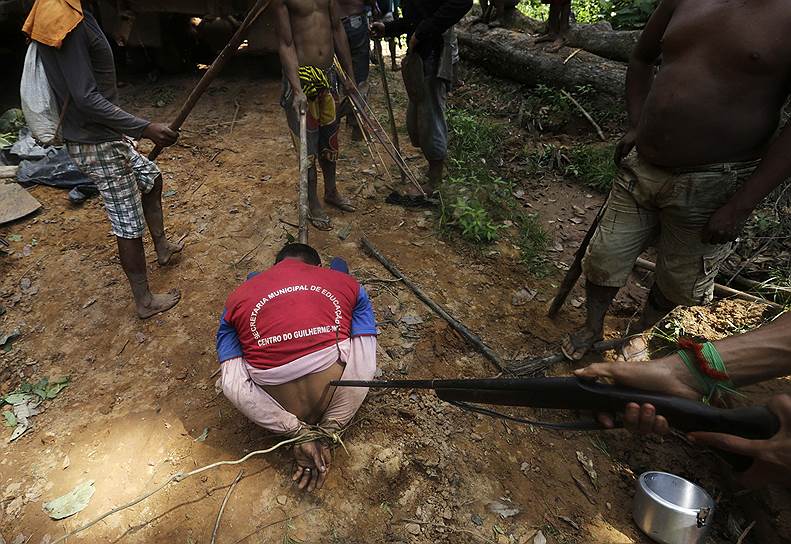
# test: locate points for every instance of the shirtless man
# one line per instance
(310, 34)
(284, 335)
(704, 127)
(354, 16)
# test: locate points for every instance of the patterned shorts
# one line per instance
(121, 174)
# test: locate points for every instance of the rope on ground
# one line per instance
(222, 506)
(311, 434)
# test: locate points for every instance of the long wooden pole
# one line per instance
(388, 99)
(575, 271)
(303, 179)
(219, 63)
(456, 325)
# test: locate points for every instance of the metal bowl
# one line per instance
(672, 510)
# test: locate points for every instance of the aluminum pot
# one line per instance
(672, 510)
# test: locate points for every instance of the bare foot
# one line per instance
(319, 219)
(556, 46)
(577, 344)
(668, 375)
(634, 350)
(340, 202)
(157, 303)
(545, 38)
(167, 250)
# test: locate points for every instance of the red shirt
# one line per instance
(291, 310)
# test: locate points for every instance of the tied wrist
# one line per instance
(707, 366)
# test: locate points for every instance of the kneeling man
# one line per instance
(284, 335)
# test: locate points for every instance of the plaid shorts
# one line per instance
(121, 174)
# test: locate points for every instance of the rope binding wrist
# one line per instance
(705, 363)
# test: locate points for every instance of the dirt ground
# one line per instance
(142, 393)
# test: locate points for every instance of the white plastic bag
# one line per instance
(38, 101)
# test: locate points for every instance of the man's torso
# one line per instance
(291, 310)
(102, 65)
(723, 81)
(311, 28)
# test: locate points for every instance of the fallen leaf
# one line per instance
(502, 509)
(587, 465)
(88, 303)
(72, 502)
(523, 296)
(10, 419)
(203, 435)
(66, 462)
(169, 193)
(345, 232)
(14, 238)
(570, 522)
(539, 538)
(411, 320)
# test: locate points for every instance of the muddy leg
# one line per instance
(331, 194)
(152, 209)
(318, 217)
(133, 261)
(599, 298)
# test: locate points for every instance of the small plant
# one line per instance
(473, 221)
(593, 165)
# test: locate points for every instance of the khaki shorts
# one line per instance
(670, 207)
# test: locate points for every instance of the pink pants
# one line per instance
(241, 384)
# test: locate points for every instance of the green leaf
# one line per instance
(14, 238)
(203, 435)
(10, 419)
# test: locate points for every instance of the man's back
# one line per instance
(723, 81)
(291, 310)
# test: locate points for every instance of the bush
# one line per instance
(622, 14)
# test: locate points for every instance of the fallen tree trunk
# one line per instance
(603, 41)
(513, 55)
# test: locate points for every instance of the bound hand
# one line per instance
(300, 102)
(160, 134)
(725, 225)
(772, 457)
(312, 464)
(377, 30)
(625, 146)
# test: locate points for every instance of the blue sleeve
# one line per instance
(228, 345)
(363, 319)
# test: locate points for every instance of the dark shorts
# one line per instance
(356, 28)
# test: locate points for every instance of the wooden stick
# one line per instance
(222, 507)
(575, 271)
(720, 290)
(456, 325)
(388, 100)
(536, 365)
(303, 179)
(586, 114)
(573, 54)
(219, 63)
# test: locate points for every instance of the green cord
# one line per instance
(709, 385)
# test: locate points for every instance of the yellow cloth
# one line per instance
(50, 21)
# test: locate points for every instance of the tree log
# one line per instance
(602, 40)
(513, 55)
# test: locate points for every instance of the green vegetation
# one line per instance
(591, 164)
(476, 201)
(622, 14)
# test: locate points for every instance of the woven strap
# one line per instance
(705, 363)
